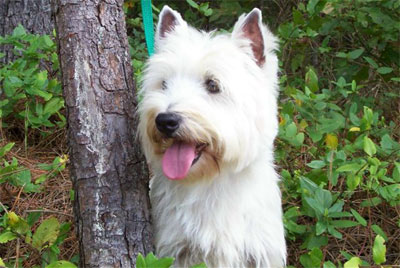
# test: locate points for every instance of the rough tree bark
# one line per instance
(34, 15)
(108, 171)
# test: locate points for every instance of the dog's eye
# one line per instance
(212, 86)
(164, 85)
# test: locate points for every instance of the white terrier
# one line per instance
(208, 119)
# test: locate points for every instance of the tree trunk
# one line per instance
(34, 15)
(108, 171)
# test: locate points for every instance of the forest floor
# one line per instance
(53, 200)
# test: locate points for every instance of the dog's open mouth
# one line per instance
(179, 157)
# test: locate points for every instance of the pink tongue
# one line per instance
(178, 159)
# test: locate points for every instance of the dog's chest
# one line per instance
(206, 221)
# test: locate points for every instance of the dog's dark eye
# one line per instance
(164, 85)
(212, 86)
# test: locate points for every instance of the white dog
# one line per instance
(208, 119)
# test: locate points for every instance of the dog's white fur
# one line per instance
(227, 212)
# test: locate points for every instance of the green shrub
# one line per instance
(29, 88)
(30, 95)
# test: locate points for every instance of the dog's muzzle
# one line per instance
(168, 123)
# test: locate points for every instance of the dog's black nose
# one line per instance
(168, 123)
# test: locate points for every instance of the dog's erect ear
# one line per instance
(167, 21)
(250, 27)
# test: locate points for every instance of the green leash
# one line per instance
(147, 14)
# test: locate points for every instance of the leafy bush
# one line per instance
(29, 88)
(44, 241)
(30, 95)
(338, 143)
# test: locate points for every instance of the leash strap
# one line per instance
(147, 14)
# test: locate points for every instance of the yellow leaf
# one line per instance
(63, 158)
(354, 129)
(282, 120)
(13, 218)
(298, 102)
(354, 262)
(303, 124)
(331, 141)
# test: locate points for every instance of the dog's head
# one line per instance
(208, 100)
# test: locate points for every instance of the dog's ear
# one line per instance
(251, 27)
(168, 20)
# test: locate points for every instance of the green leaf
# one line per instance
(53, 106)
(140, 261)
(352, 181)
(388, 144)
(33, 217)
(46, 233)
(19, 31)
(337, 207)
(163, 263)
(308, 186)
(200, 265)
(312, 80)
(315, 135)
(328, 264)
(298, 17)
(396, 172)
(369, 146)
(372, 62)
(47, 40)
(323, 197)
(355, 53)
(20, 227)
(299, 139)
(379, 250)
(311, 6)
(371, 202)
(344, 223)
(353, 167)
(208, 12)
(358, 217)
(61, 264)
(334, 232)
(354, 262)
(41, 93)
(316, 242)
(7, 236)
(384, 70)
(318, 208)
(346, 255)
(379, 231)
(23, 178)
(320, 228)
(5, 149)
(193, 4)
(316, 164)
(312, 258)
(2, 263)
(150, 259)
(341, 55)
(291, 130)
